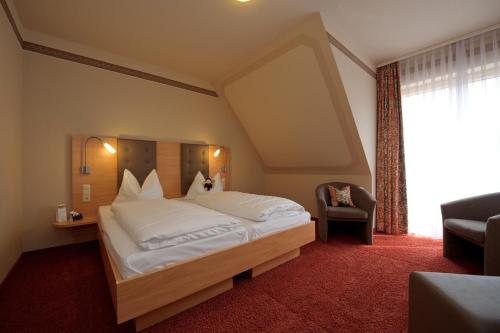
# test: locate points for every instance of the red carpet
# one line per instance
(340, 286)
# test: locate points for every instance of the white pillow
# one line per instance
(130, 190)
(151, 188)
(218, 184)
(197, 187)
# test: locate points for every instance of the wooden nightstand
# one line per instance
(85, 221)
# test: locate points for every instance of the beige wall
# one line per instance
(62, 98)
(361, 93)
(10, 146)
(300, 122)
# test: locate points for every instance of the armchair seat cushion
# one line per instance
(346, 213)
(471, 229)
(441, 302)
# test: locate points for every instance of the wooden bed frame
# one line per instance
(154, 296)
(157, 295)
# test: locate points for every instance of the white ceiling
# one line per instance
(207, 38)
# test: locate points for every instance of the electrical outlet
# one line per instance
(86, 192)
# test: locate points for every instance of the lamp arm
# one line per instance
(84, 151)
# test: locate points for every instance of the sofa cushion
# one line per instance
(473, 230)
(346, 213)
(441, 302)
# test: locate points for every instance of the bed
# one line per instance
(150, 285)
(132, 260)
(159, 293)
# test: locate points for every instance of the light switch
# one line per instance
(86, 192)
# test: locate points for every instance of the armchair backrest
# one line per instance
(322, 192)
(478, 208)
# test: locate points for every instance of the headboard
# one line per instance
(138, 156)
(194, 158)
(176, 165)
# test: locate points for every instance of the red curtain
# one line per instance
(392, 209)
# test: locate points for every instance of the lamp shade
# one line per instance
(109, 147)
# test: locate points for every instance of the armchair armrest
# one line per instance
(478, 208)
(362, 198)
(321, 197)
(493, 228)
(322, 202)
(492, 246)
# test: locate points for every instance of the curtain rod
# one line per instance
(435, 46)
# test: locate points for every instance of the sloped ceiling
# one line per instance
(293, 106)
(206, 38)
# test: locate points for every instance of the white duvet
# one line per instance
(158, 223)
(259, 208)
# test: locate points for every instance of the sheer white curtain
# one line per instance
(451, 121)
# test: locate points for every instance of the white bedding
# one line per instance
(259, 229)
(131, 259)
(259, 208)
(158, 223)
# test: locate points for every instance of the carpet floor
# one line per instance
(339, 286)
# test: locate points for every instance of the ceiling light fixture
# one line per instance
(243, 0)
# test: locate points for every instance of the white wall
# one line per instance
(10, 146)
(361, 90)
(63, 98)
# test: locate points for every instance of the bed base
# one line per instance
(167, 311)
(267, 266)
(157, 295)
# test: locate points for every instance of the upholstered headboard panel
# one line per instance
(176, 164)
(138, 156)
(194, 158)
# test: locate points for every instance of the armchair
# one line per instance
(362, 213)
(473, 220)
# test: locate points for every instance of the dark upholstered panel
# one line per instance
(194, 158)
(138, 156)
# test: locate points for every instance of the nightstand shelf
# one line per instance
(79, 223)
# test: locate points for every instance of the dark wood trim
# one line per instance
(351, 55)
(33, 47)
(56, 53)
(12, 21)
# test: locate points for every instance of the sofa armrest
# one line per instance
(478, 208)
(492, 246)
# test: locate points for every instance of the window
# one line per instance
(451, 121)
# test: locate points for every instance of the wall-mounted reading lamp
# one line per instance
(85, 169)
(217, 153)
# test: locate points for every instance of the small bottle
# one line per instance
(62, 214)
